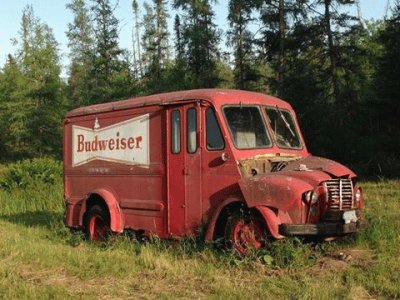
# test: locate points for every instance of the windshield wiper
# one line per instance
(285, 121)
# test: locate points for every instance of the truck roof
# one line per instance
(215, 96)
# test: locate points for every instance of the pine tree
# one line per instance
(33, 103)
(81, 44)
(137, 64)
(200, 38)
(107, 50)
(155, 44)
(241, 39)
(13, 119)
(388, 78)
(279, 18)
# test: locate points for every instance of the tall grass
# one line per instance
(39, 258)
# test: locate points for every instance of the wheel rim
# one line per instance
(247, 235)
(97, 228)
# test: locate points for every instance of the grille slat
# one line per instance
(339, 194)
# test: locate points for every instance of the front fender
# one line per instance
(117, 220)
(278, 191)
(271, 220)
(213, 221)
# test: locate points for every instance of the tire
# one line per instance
(245, 232)
(97, 224)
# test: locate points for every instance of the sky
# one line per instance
(55, 14)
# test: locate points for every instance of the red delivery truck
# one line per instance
(227, 164)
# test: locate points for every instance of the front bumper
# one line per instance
(323, 229)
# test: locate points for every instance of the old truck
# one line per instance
(227, 164)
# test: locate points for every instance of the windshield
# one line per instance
(284, 128)
(247, 127)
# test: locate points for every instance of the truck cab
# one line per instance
(230, 165)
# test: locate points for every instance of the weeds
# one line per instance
(28, 173)
(41, 258)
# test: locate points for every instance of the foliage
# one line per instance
(241, 39)
(313, 54)
(199, 38)
(387, 79)
(31, 100)
(81, 43)
(28, 173)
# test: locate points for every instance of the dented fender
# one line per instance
(278, 191)
(271, 220)
(214, 218)
(117, 220)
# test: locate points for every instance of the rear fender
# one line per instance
(117, 219)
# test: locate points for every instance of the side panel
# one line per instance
(132, 165)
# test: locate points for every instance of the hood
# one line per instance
(315, 163)
(283, 189)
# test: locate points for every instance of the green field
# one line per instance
(40, 259)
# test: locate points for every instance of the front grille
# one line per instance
(339, 194)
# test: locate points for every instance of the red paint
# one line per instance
(97, 228)
(190, 178)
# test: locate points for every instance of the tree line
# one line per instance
(340, 73)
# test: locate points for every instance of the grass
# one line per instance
(41, 259)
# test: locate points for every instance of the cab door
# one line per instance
(184, 178)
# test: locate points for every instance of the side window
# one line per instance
(214, 137)
(176, 131)
(191, 130)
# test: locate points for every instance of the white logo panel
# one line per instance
(125, 142)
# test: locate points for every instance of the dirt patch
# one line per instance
(342, 259)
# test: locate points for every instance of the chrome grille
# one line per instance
(339, 194)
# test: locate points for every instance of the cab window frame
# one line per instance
(264, 121)
(220, 138)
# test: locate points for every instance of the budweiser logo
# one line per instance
(125, 142)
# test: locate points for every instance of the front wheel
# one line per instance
(245, 231)
(97, 224)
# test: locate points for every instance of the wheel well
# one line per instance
(93, 200)
(223, 216)
(226, 211)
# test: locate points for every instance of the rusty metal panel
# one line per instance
(125, 148)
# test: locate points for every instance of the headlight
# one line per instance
(311, 197)
(314, 198)
(307, 197)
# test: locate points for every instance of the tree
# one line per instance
(200, 39)
(107, 50)
(387, 83)
(13, 121)
(137, 61)
(81, 44)
(279, 18)
(155, 44)
(241, 39)
(31, 92)
(389, 63)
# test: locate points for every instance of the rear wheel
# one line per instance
(245, 231)
(97, 224)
